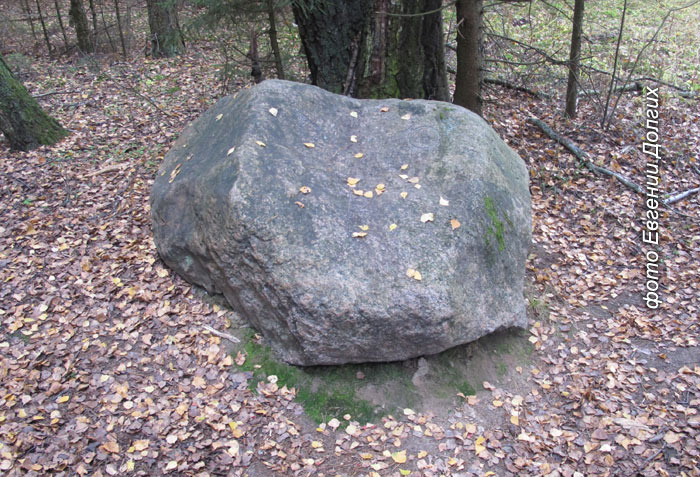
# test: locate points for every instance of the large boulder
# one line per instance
(348, 230)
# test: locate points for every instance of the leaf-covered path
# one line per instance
(106, 365)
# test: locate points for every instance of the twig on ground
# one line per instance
(104, 170)
(221, 334)
(582, 156)
(680, 196)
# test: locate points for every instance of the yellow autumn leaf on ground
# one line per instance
(417, 276)
(304, 189)
(316, 444)
(260, 143)
(444, 202)
(422, 454)
(310, 145)
(455, 224)
(111, 446)
(392, 227)
(404, 472)
(403, 195)
(413, 273)
(380, 187)
(428, 217)
(219, 116)
(353, 114)
(62, 399)
(517, 400)
(273, 111)
(171, 465)
(515, 420)
(359, 155)
(141, 444)
(352, 181)
(497, 403)
(353, 138)
(366, 456)
(479, 444)
(399, 457)
(364, 227)
(230, 151)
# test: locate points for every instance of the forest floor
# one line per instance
(107, 365)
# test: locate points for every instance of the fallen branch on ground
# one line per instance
(112, 168)
(508, 84)
(221, 334)
(582, 156)
(680, 196)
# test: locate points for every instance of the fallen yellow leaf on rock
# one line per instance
(359, 234)
(305, 189)
(316, 444)
(384, 109)
(353, 138)
(369, 194)
(380, 187)
(359, 155)
(455, 224)
(428, 217)
(403, 176)
(260, 143)
(273, 111)
(358, 191)
(404, 167)
(444, 202)
(219, 116)
(353, 114)
(310, 145)
(352, 181)
(392, 227)
(414, 180)
(403, 195)
(406, 116)
(399, 457)
(422, 454)
(413, 273)
(230, 151)
(364, 227)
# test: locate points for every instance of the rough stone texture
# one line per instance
(233, 222)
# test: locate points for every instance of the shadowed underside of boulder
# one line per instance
(348, 230)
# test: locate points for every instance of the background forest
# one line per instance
(111, 364)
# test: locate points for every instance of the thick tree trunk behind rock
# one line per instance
(166, 38)
(80, 23)
(469, 72)
(331, 34)
(22, 120)
(361, 48)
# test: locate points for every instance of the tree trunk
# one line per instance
(272, 33)
(574, 60)
(166, 38)
(331, 33)
(28, 12)
(80, 23)
(93, 14)
(60, 24)
(469, 57)
(434, 67)
(43, 28)
(364, 49)
(119, 27)
(22, 120)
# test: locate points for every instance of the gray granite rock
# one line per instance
(241, 206)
